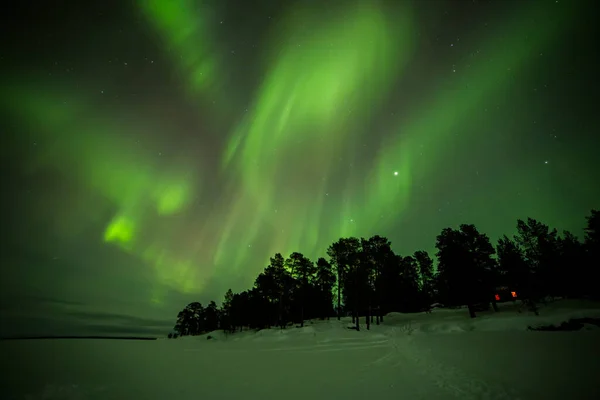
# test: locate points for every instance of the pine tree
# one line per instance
(324, 281)
(464, 261)
(425, 266)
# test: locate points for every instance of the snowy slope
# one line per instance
(441, 355)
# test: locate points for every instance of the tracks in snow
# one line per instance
(450, 378)
(396, 354)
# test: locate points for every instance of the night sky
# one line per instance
(158, 152)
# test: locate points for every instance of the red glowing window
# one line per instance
(513, 294)
(497, 296)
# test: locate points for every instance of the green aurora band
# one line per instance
(326, 76)
(184, 27)
(313, 98)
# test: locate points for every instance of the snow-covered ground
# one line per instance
(440, 355)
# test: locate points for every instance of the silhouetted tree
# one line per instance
(225, 313)
(540, 249)
(267, 287)
(343, 254)
(302, 270)
(324, 282)
(592, 230)
(409, 285)
(190, 320)
(464, 260)
(514, 271)
(227, 301)
(425, 265)
(365, 287)
(273, 291)
(248, 310)
(573, 270)
(376, 251)
(284, 285)
(390, 283)
(592, 249)
(211, 317)
(236, 311)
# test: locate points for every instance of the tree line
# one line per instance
(366, 278)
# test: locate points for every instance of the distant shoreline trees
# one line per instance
(364, 278)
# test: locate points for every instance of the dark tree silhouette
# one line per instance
(211, 317)
(540, 249)
(592, 248)
(573, 270)
(514, 271)
(324, 281)
(592, 230)
(278, 289)
(425, 265)
(365, 281)
(409, 285)
(464, 259)
(343, 254)
(302, 270)
(225, 314)
(275, 286)
(376, 251)
(227, 301)
(372, 280)
(237, 309)
(190, 320)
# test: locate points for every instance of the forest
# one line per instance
(365, 279)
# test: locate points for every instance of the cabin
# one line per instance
(505, 293)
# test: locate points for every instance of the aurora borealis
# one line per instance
(158, 152)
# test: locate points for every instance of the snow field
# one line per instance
(441, 355)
